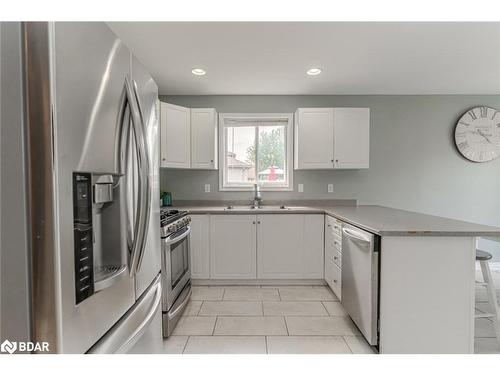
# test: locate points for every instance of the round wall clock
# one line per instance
(477, 134)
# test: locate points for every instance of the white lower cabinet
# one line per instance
(233, 247)
(270, 246)
(289, 246)
(200, 246)
(333, 254)
(336, 281)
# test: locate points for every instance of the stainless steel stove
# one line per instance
(175, 266)
(172, 221)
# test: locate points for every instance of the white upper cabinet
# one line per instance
(175, 136)
(327, 138)
(351, 139)
(314, 138)
(203, 138)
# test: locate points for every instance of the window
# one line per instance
(255, 149)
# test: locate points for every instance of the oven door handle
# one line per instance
(179, 238)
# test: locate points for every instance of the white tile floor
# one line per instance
(285, 319)
(265, 319)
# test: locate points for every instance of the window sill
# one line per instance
(251, 188)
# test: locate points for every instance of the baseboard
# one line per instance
(254, 282)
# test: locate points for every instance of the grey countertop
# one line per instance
(383, 221)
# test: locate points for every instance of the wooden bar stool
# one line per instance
(483, 257)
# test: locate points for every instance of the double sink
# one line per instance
(256, 208)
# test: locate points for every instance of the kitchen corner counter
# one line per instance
(386, 221)
(383, 221)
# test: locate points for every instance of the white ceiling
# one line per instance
(356, 58)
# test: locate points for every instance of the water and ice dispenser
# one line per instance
(100, 246)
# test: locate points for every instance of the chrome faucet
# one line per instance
(257, 198)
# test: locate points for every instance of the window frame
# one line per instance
(286, 118)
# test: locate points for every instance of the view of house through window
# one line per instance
(256, 152)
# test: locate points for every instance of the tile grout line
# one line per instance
(215, 324)
(286, 326)
(185, 345)
(199, 311)
(348, 346)
(328, 312)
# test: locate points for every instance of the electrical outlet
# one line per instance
(301, 188)
(207, 188)
(330, 188)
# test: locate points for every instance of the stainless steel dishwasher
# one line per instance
(360, 267)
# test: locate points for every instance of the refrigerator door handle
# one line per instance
(130, 198)
(142, 216)
(147, 206)
(124, 334)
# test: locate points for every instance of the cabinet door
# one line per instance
(290, 246)
(175, 136)
(203, 138)
(280, 240)
(314, 138)
(200, 246)
(232, 247)
(352, 138)
(314, 246)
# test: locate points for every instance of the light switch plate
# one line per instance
(301, 188)
(207, 188)
(330, 188)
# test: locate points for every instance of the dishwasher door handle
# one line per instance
(356, 236)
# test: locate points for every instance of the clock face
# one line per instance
(477, 134)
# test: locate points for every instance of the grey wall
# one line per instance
(414, 164)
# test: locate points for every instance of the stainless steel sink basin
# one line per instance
(261, 208)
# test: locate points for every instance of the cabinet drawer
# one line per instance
(337, 258)
(334, 224)
(336, 282)
(329, 251)
(337, 243)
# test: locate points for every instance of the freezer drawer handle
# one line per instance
(118, 339)
(355, 236)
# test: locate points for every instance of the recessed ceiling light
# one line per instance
(198, 72)
(313, 71)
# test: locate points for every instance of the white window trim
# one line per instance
(288, 117)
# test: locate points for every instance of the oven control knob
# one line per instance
(172, 228)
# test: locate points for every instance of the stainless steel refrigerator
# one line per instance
(80, 149)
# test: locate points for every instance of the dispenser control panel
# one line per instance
(83, 236)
